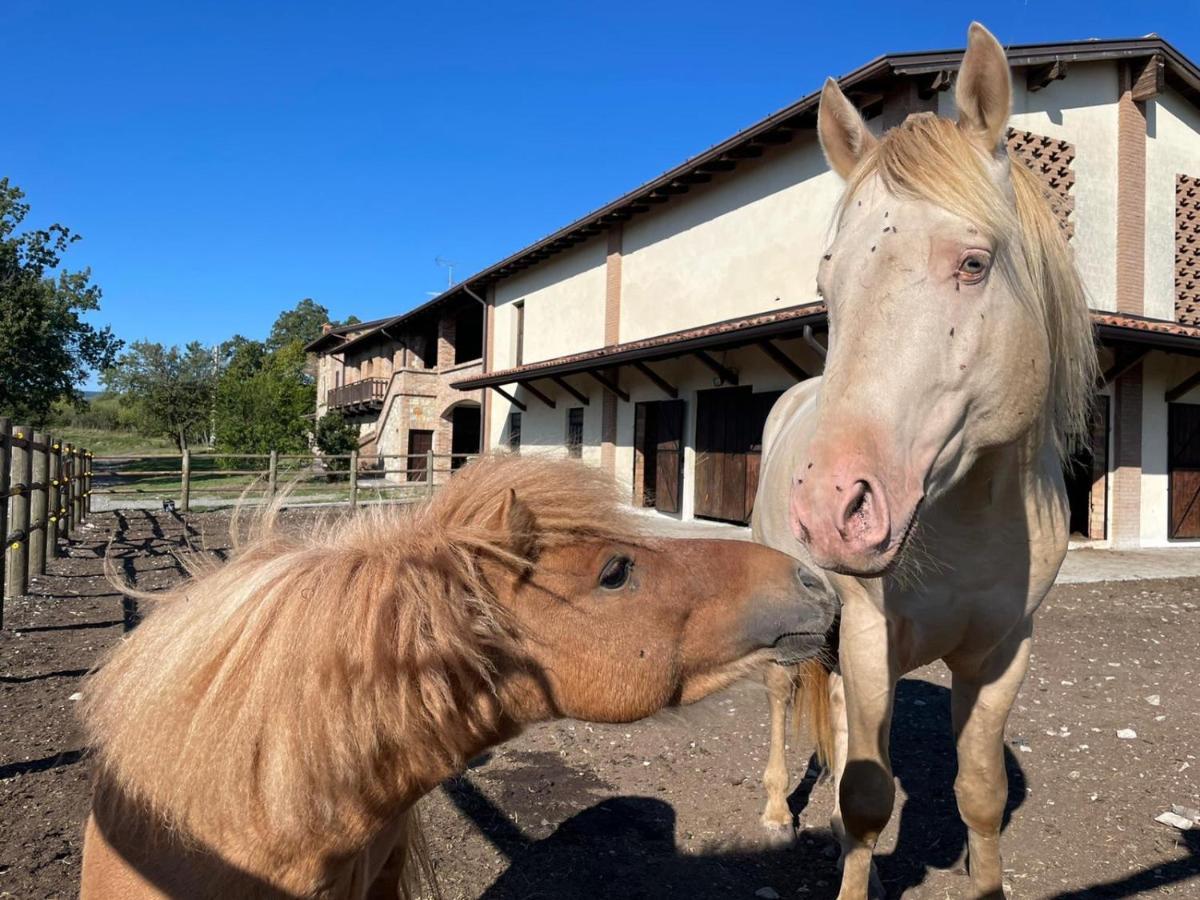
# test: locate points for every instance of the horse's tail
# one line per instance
(810, 702)
(417, 876)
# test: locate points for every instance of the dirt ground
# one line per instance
(669, 807)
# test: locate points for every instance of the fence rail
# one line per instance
(47, 487)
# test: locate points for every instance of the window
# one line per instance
(468, 335)
(575, 432)
(514, 432)
(520, 307)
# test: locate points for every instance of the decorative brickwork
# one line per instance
(1050, 159)
(1131, 200)
(1187, 249)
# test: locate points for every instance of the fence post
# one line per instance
(185, 491)
(273, 475)
(68, 483)
(77, 487)
(54, 498)
(87, 483)
(22, 474)
(39, 503)
(353, 479)
(429, 472)
(5, 457)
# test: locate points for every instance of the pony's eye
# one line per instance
(973, 267)
(615, 573)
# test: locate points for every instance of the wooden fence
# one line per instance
(47, 488)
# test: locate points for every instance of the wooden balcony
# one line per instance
(358, 396)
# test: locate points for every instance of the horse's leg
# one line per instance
(837, 713)
(866, 791)
(980, 701)
(777, 817)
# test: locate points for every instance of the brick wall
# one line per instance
(1127, 461)
(1131, 199)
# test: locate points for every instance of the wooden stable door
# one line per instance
(420, 442)
(1183, 467)
(729, 427)
(658, 449)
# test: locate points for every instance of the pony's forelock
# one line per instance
(929, 158)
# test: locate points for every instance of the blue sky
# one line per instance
(223, 160)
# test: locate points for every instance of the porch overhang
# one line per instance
(1112, 329)
(727, 335)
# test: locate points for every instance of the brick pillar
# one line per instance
(447, 326)
(1127, 459)
(1131, 198)
(612, 335)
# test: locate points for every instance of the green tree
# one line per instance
(46, 347)
(300, 325)
(263, 399)
(336, 437)
(170, 389)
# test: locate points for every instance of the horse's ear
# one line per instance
(844, 135)
(516, 523)
(983, 92)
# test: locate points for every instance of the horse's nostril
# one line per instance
(807, 579)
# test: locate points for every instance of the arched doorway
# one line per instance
(466, 431)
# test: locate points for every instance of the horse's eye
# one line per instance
(615, 573)
(973, 267)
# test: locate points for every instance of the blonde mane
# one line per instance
(930, 158)
(289, 691)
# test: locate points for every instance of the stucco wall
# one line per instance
(1172, 147)
(748, 242)
(564, 306)
(1080, 108)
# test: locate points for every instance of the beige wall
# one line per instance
(564, 306)
(748, 242)
(1172, 148)
(1080, 108)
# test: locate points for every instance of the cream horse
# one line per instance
(923, 471)
(269, 728)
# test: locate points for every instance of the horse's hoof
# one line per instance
(778, 834)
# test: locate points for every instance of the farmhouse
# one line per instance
(651, 336)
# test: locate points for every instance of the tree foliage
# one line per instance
(300, 325)
(264, 399)
(336, 437)
(46, 347)
(170, 389)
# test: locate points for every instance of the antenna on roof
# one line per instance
(449, 266)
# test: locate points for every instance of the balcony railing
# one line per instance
(358, 395)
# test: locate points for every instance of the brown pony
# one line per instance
(268, 729)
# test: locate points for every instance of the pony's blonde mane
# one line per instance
(930, 158)
(291, 691)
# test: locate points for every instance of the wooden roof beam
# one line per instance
(784, 361)
(934, 83)
(510, 398)
(610, 386)
(663, 385)
(725, 374)
(1182, 388)
(528, 385)
(570, 389)
(1122, 364)
(1038, 77)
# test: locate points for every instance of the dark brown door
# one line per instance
(1183, 466)
(419, 445)
(760, 408)
(722, 442)
(729, 427)
(668, 456)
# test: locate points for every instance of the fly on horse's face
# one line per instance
(616, 631)
(938, 350)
